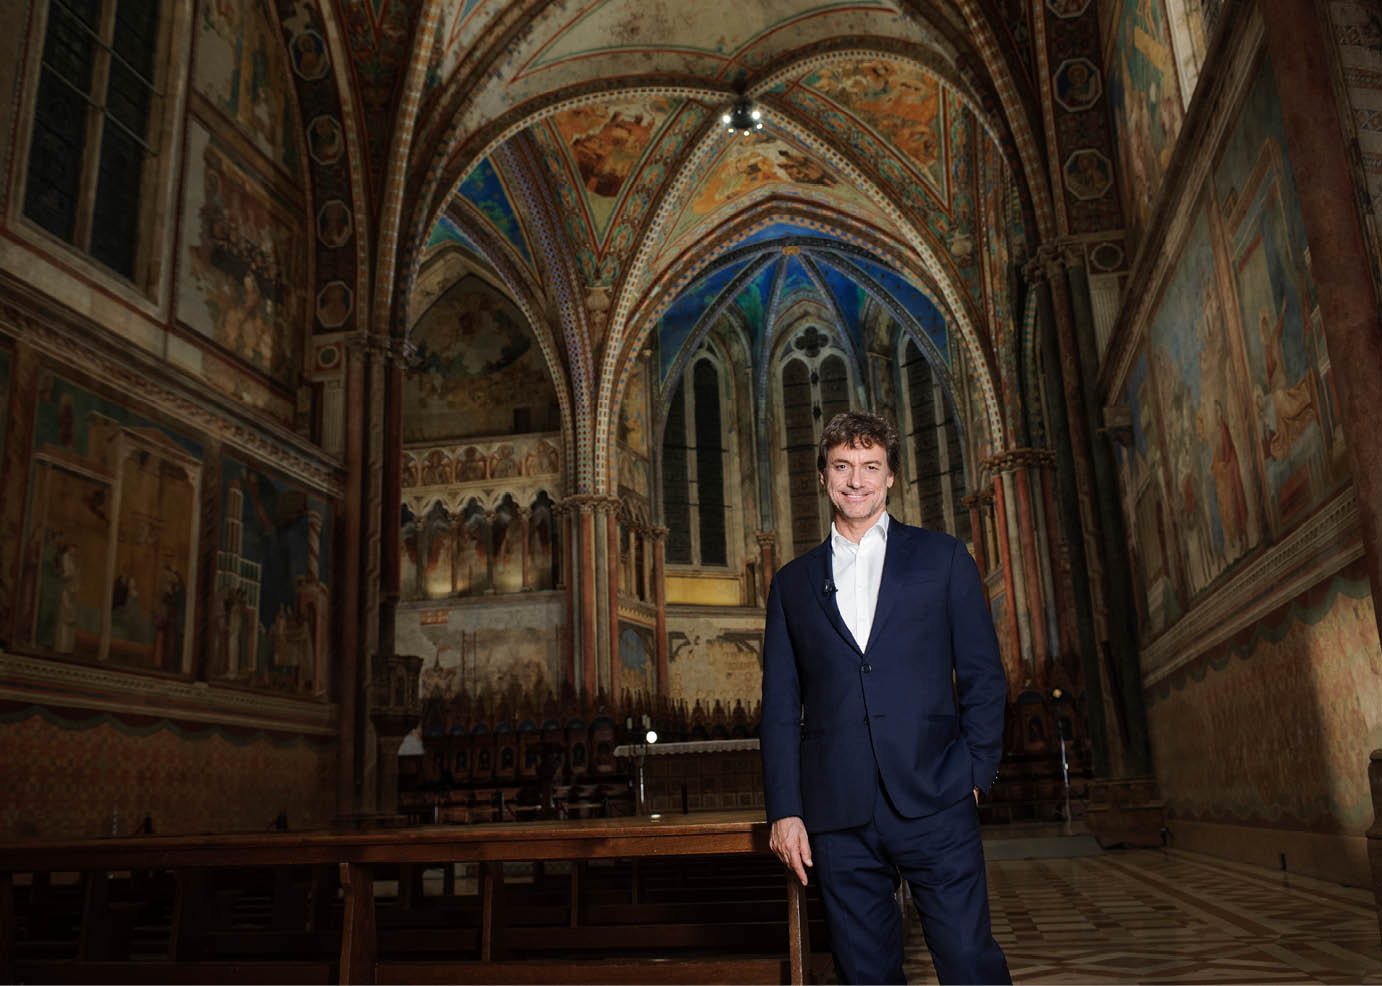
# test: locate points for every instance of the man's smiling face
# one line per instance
(857, 480)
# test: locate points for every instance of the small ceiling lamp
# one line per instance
(742, 118)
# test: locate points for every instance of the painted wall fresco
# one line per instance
(481, 371)
(898, 102)
(242, 266)
(271, 611)
(1146, 507)
(479, 519)
(1234, 436)
(633, 413)
(617, 31)
(486, 647)
(241, 68)
(108, 567)
(473, 551)
(1204, 425)
(188, 779)
(715, 659)
(748, 168)
(604, 143)
(1291, 708)
(637, 660)
(1144, 99)
(1293, 385)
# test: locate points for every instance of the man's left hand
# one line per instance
(976, 795)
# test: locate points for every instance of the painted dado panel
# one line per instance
(1291, 708)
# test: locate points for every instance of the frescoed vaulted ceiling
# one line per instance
(579, 142)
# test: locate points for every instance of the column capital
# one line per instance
(979, 498)
(587, 503)
(387, 348)
(1009, 460)
(1034, 270)
(1053, 257)
(766, 539)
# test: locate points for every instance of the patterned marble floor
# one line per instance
(1171, 917)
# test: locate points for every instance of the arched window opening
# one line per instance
(801, 421)
(693, 469)
(676, 482)
(710, 470)
(933, 438)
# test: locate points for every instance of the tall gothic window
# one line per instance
(693, 470)
(94, 127)
(933, 439)
(815, 387)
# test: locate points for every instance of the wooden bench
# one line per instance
(359, 855)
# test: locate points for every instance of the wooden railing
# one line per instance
(505, 946)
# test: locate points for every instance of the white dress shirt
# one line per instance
(858, 571)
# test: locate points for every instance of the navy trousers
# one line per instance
(941, 857)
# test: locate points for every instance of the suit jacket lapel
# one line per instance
(890, 583)
(821, 577)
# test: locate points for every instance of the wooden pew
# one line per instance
(506, 952)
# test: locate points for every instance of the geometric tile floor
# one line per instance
(1169, 916)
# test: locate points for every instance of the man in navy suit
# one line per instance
(883, 700)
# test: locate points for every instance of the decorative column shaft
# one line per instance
(1077, 540)
(659, 536)
(1070, 286)
(609, 510)
(586, 549)
(767, 560)
(974, 503)
(1032, 578)
(1000, 520)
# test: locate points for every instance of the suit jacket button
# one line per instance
(866, 668)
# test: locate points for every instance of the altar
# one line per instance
(697, 776)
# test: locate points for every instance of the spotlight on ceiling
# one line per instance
(742, 118)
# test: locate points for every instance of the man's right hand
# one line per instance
(789, 844)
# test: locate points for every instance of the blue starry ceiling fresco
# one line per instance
(484, 189)
(778, 267)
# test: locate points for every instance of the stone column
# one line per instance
(1339, 255)
(1065, 409)
(1000, 519)
(972, 502)
(524, 522)
(659, 538)
(1072, 292)
(396, 353)
(490, 516)
(395, 710)
(767, 560)
(609, 510)
(348, 759)
(1022, 464)
(565, 518)
(586, 598)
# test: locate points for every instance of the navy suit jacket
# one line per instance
(923, 701)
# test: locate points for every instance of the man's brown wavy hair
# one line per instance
(860, 429)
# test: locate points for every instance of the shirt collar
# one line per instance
(838, 540)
